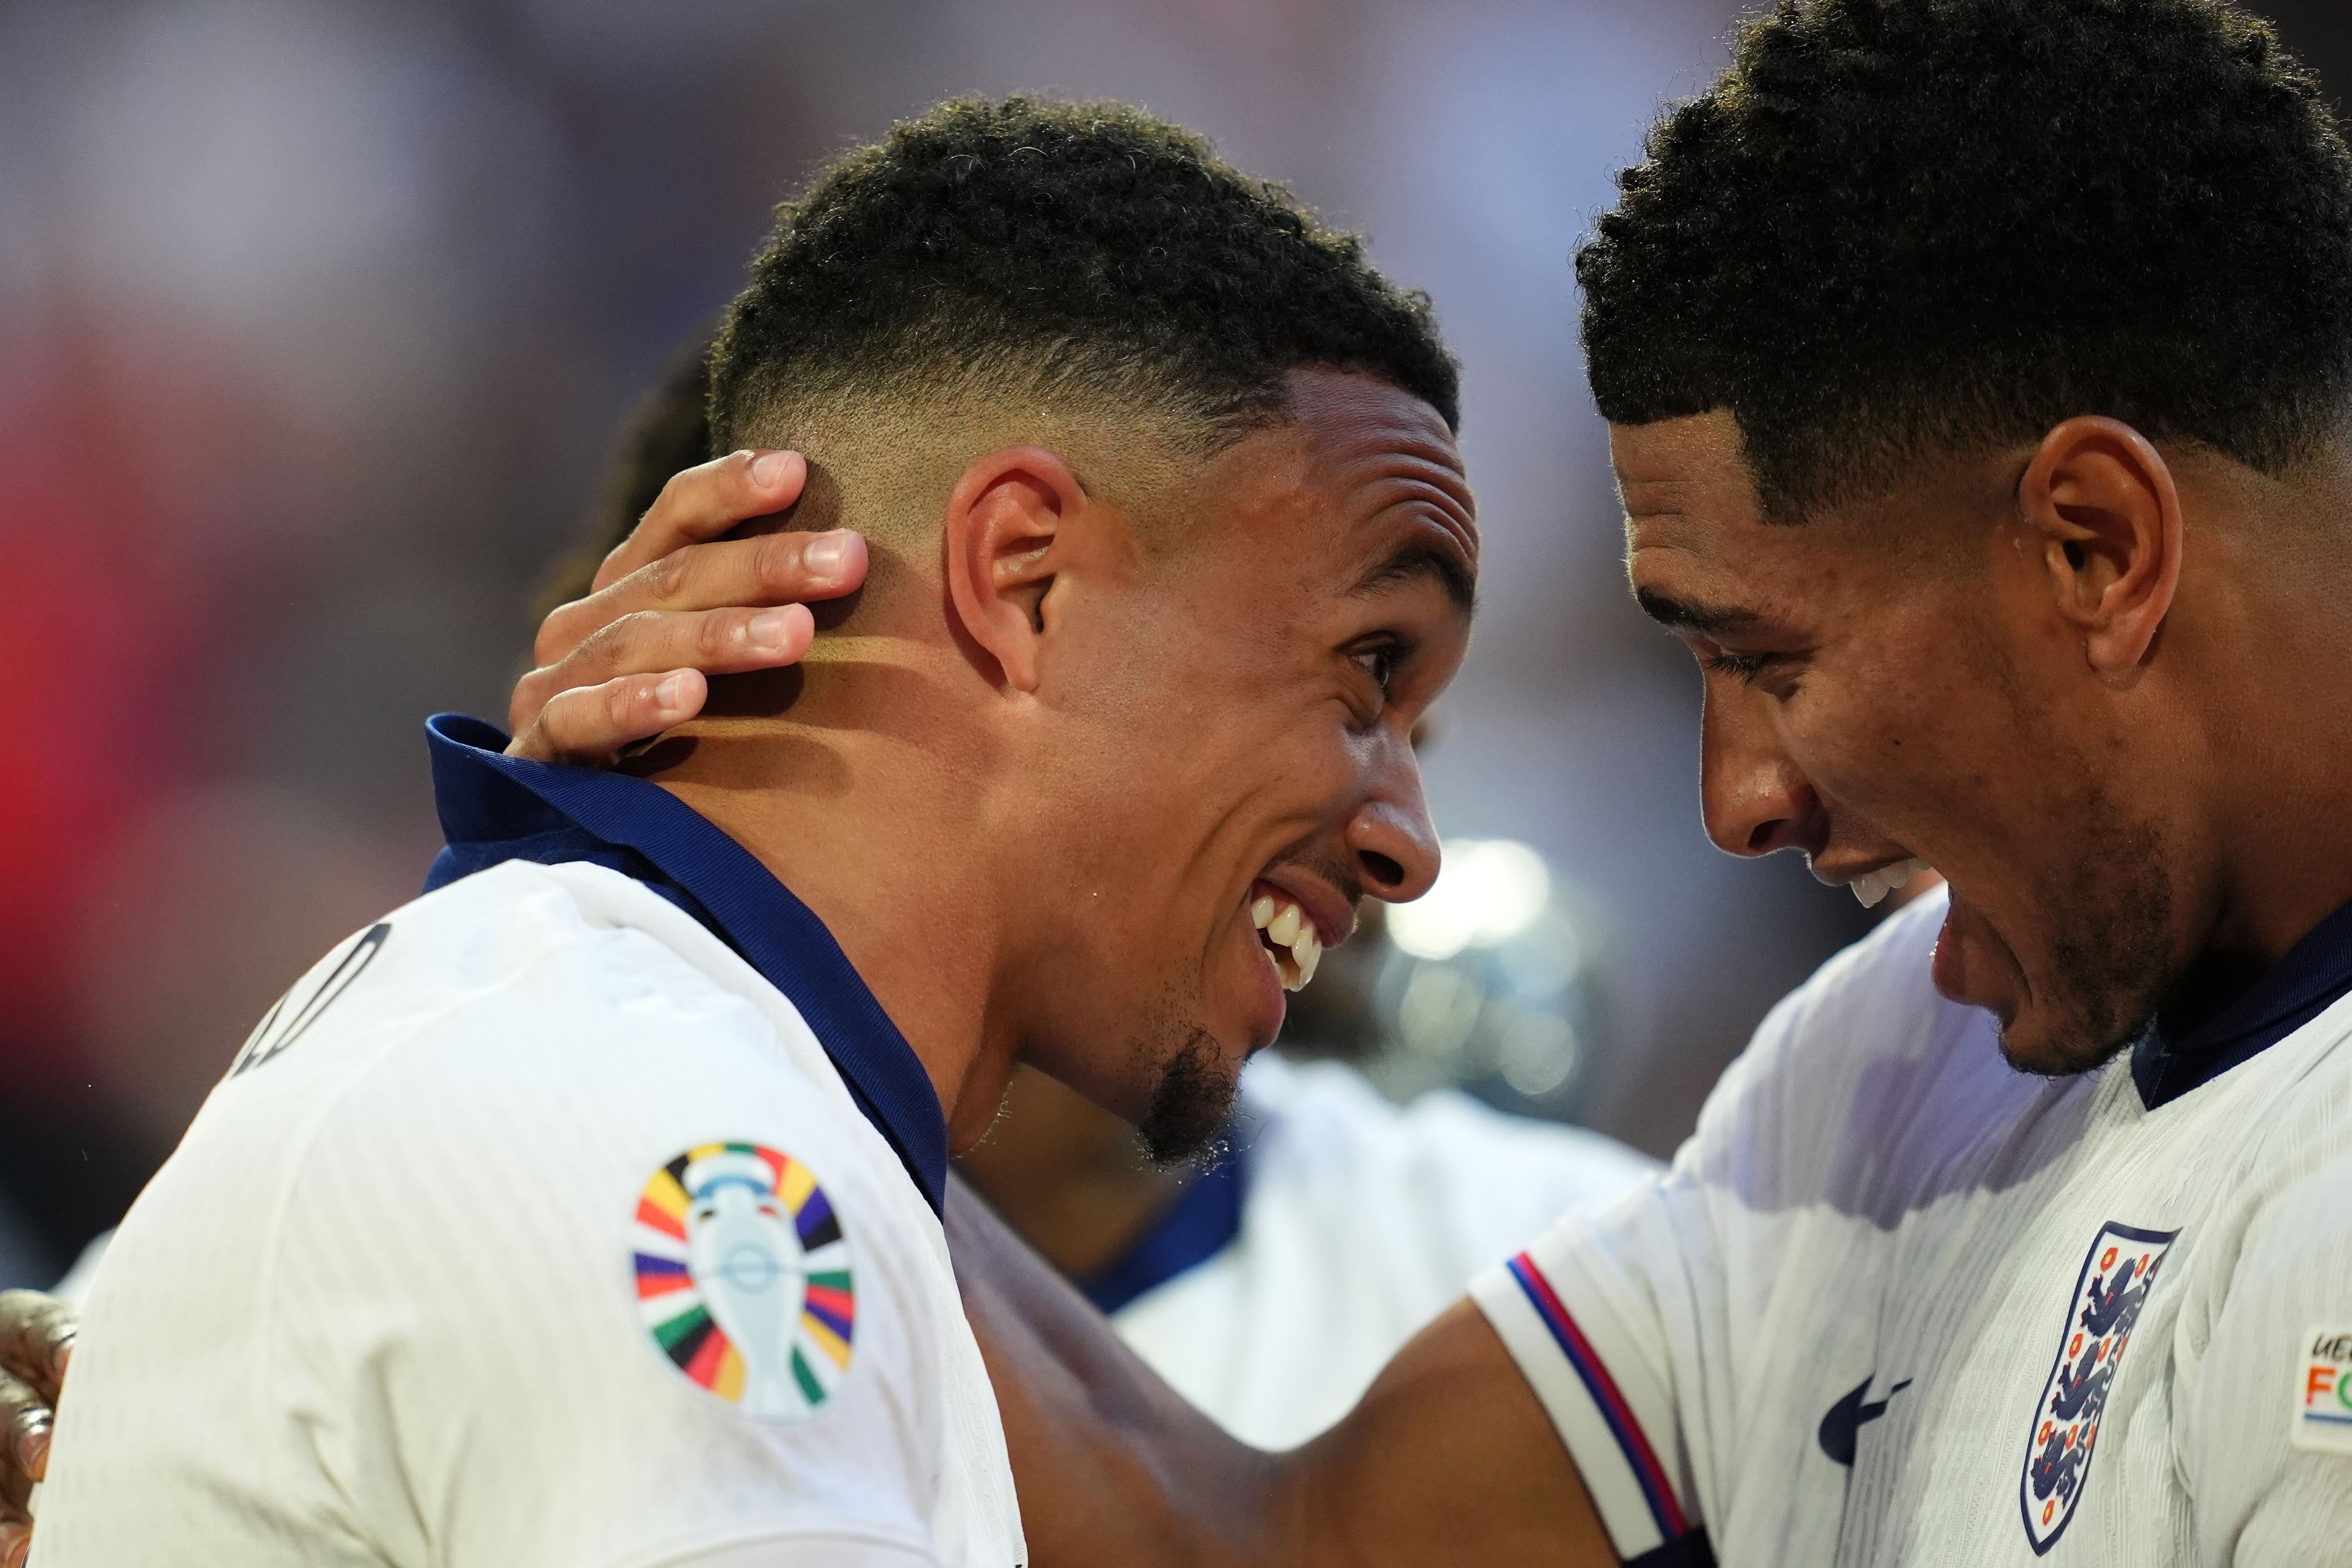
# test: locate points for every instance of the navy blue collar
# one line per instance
(496, 808)
(2171, 1061)
(1203, 1221)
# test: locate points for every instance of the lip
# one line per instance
(1325, 907)
(1971, 965)
(1271, 1008)
(1847, 876)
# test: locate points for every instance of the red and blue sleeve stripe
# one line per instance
(1657, 1490)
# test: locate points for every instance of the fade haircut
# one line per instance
(1901, 229)
(1084, 256)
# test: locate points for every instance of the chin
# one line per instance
(1192, 1101)
(2085, 1039)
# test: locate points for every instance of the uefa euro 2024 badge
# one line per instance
(2323, 1391)
(744, 1279)
(2117, 1276)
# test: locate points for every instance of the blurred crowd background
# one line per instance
(316, 323)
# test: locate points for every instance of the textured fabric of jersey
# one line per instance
(1897, 1303)
(1362, 1223)
(402, 1294)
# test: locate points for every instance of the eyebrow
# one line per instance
(1422, 558)
(1706, 620)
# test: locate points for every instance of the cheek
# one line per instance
(1901, 745)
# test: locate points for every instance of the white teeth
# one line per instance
(1873, 885)
(1292, 937)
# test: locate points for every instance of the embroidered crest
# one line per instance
(2323, 1391)
(743, 1277)
(2108, 1295)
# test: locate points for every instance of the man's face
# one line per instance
(1892, 682)
(1231, 741)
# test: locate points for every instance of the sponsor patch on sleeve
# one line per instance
(2323, 1392)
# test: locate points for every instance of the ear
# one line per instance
(1005, 528)
(2099, 499)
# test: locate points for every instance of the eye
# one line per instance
(1741, 666)
(1380, 660)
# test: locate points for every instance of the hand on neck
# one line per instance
(861, 781)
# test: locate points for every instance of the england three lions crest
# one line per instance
(2117, 1276)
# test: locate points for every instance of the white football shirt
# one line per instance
(534, 1228)
(1897, 1303)
(1361, 1221)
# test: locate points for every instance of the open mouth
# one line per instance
(1286, 932)
(1871, 887)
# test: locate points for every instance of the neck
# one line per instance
(1068, 1176)
(2278, 738)
(876, 824)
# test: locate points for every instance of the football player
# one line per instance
(589, 1209)
(1978, 376)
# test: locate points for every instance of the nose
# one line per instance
(1390, 836)
(1754, 796)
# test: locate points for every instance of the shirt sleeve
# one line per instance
(1600, 1313)
(1639, 1325)
(2264, 1415)
(610, 1286)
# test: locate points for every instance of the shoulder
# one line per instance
(562, 1015)
(504, 981)
(526, 1054)
(1876, 997)
(2288, 1215)
(1865, 1087)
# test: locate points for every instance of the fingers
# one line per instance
(655, 642)
(36, 1334)
(35, 1342)
(588, 725)
(772, 569)
(705, 502)
(24, 1440)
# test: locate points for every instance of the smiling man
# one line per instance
(1980, 376)
(588, 1209)
(1979, 381)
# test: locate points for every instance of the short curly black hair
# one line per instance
(1900, 228)
(1074, 250)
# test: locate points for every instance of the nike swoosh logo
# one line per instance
(1841, 1427)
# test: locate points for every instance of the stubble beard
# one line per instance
(2110, 956)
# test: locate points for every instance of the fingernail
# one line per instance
(768, 469)
(671, 692)
(767, 629)
(828, 553)
(32, 1442)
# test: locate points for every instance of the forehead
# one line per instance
(1360, 470)
(1696, 532)
(1685, 483)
